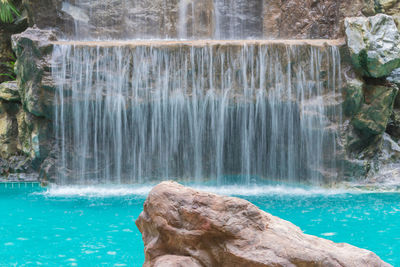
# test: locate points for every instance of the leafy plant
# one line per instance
(7, 11)
(9, 67)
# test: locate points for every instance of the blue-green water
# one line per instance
(75, 226)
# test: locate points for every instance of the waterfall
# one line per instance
(228, 112)
(239, 19)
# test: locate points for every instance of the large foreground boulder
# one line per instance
(185, 227)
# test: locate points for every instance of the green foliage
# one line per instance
(7, 11)
(9, 66)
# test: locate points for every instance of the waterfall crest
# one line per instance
(226, 113)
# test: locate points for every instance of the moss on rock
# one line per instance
(374, 114)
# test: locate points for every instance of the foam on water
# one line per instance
(228, 190)
(95, 191)
(267, 190)
(66, 225)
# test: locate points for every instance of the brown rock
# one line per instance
(175, 261)
(227, 231)
(158, 18)
(311, 18)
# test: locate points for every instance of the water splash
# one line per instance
(227, 190)
(134, 114)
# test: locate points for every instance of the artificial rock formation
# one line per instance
(201, 19)
(26, 105)
(367, 107)
(374, 44)
(185, 227)
(375, 112)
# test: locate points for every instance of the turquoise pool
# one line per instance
(94, 226)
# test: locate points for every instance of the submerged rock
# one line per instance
(182, 226)
(374, 44)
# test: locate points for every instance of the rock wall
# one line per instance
(263, 18)
(26, 106)
(373, 47)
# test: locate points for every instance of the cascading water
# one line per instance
(226, 111)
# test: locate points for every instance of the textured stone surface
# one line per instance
(127, 19)
(175, 261)
(311, 19)
(6, 54)
(7, 57)
(374, 44)
(393, 127)
(226, 231)
(390, 7)
(374, 114)
(48, 14)
(301, 19)
(33, 50)
(8, 129)
(9, 91)
(27, 104)
(353, 96)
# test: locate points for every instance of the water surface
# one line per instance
(93, 226)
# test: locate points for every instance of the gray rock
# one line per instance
(394, 77)
(374, 44)
(159, 18)
(393, 126)
(226, 231)
(9, 91)
(353, 97)
(376, 110)
(33, 48)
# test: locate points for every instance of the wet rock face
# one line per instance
(9, 91)
(212, 230)
(389, 7)
(393, 127)
(7, 57)
(26, 105)
(221, 19)
(302, 19)
(8, 128)
(376, 110)
(374, 44)
(48, 14)
(311, 18)
(33, 50)
(18, 133)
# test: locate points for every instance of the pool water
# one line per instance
(94, 226)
